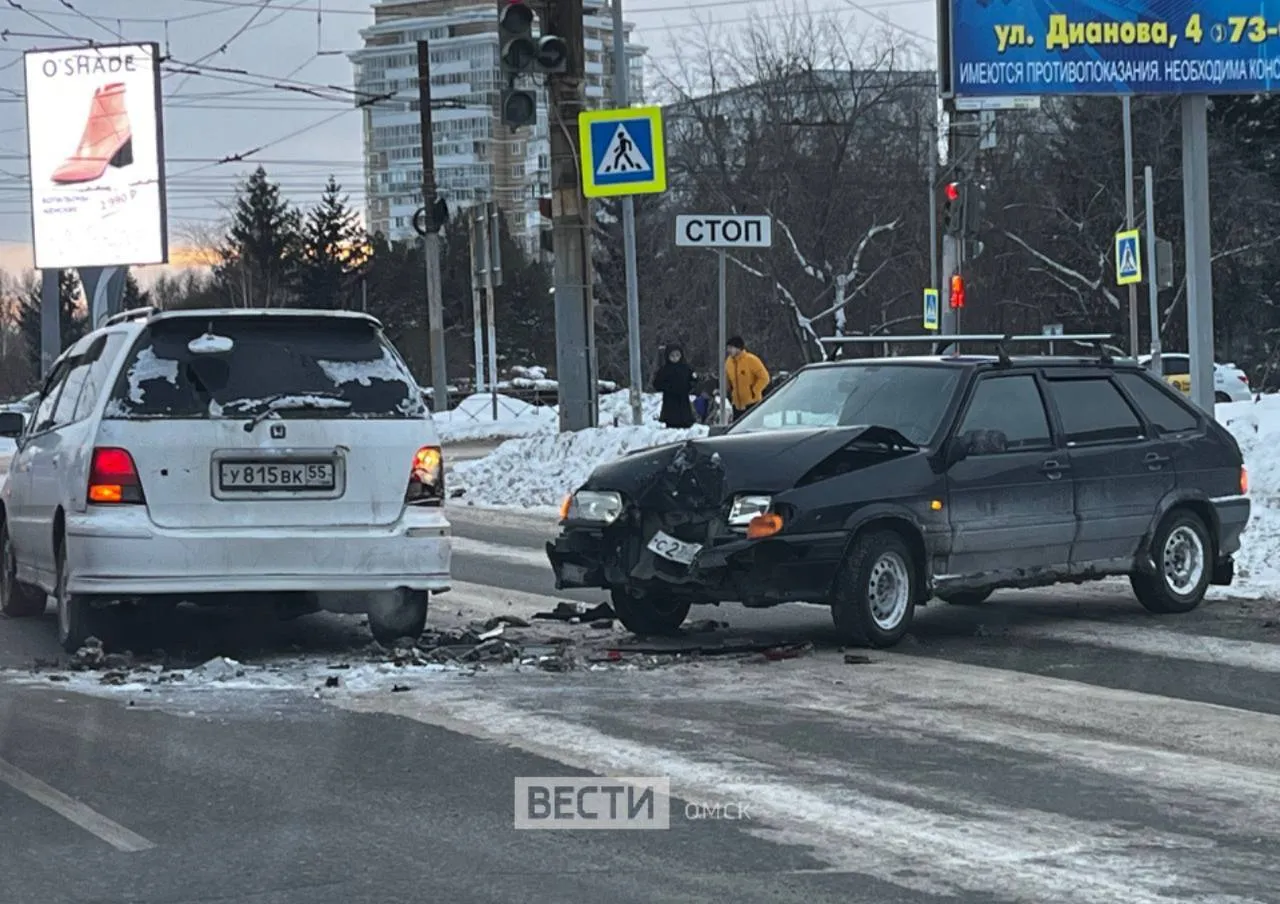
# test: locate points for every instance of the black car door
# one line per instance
(1010, 504)
(1121, 472)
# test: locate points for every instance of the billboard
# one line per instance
(95, 146)
(1000, 48)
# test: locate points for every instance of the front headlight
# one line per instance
(746, 507)
(595, 506)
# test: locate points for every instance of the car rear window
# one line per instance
(301, 366)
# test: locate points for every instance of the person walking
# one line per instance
(675, 379)
(746, 375)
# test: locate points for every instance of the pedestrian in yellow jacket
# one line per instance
(746, 376)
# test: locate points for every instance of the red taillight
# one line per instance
(113, 478)
(426, 478)
(1244, 379)
(1244, 481)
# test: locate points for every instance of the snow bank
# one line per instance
(1256, 427)
(537, 471)
(473, 419)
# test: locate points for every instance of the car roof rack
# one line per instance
(950, 344)
(131, 314)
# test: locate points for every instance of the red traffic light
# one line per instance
(957, 291)
(953, 191)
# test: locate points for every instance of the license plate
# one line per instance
(256, 476)
(674, 550)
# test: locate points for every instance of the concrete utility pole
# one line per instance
(431, 240)
(621, 94)
(949, 318)
(571, 237)
(1128, 219)
(1195, 201)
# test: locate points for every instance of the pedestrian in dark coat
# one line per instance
(675, 379)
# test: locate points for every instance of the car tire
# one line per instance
(966, 597)
(78, 619)
(875, 591)
(397, 615)
(1221, 397)
(17, 600)
(646, 614)
(1183, 552)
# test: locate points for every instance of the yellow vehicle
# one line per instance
(1180, 382)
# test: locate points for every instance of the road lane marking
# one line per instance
(1160, 642)
(82, 815)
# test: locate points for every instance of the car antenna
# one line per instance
(1002, 352)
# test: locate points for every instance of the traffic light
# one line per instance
(952, 209)
(521, 54)
(957, 291)
(974, 208)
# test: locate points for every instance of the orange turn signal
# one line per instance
(105, 492)
(564, 507)
(763, 526)
(1244, 480)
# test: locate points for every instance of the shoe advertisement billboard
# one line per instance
(95, 142)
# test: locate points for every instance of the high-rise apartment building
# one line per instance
(477, 158)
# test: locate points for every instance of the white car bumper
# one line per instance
(122, 552)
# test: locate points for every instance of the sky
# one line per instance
(298, 46)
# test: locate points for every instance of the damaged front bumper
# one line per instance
(778, 569)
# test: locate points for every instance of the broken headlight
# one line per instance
(594, 506)
(746, 507)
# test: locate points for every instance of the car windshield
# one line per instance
(911, 399)
(296, 366)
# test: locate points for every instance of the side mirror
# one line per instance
(960, 447)
(12, 424)
(718, 429)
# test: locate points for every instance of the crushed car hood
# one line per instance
(706, 472)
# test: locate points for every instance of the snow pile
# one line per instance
(1256, 427)
(472, 418)
(537, 471)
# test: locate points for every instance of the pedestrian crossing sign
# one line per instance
(1128, 258)
(931, 309)
(622, 152)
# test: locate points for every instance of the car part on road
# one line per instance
(1183, 553)
(397, 614)
(649, 612)
(17, 599)
(876, 590)
(966, 597)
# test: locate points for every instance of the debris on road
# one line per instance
(220, 668)
(577, 612)
(857, 659)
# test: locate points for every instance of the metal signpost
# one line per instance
(623, 155)
(1153, 290)
(1090, 47)
(723, 233)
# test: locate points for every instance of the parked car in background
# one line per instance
(1230, 383)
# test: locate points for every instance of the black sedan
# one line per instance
(872, 485)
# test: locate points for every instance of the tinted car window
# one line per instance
(1175, 365)
(911, 399)
(43, 417)
(1012, 406)
(64, 414)
(1162, 408)
(305, 367)
(97, 379)
(1094, 411)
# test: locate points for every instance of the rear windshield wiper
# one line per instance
(294, 402)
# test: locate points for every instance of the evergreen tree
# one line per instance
(333, 247)
(260, 248)
(72, 318)
(134, 296)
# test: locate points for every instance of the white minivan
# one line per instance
(193, 455)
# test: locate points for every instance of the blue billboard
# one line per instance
(1002, 48)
